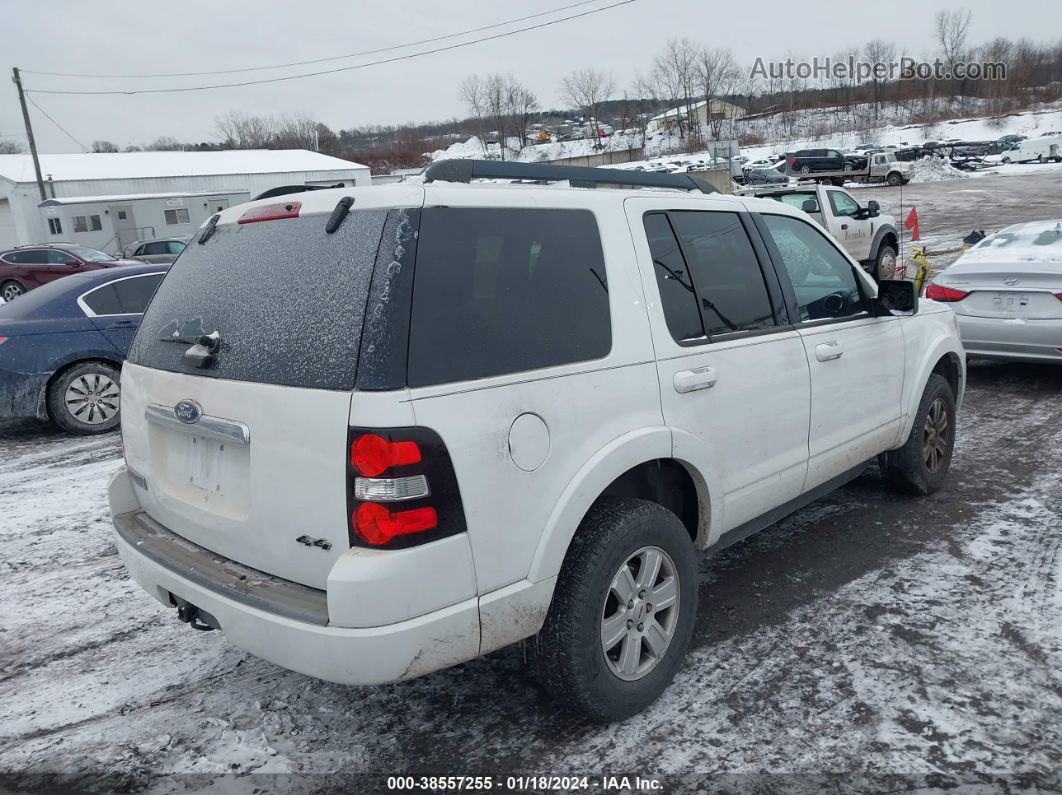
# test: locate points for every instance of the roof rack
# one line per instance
(578, 176)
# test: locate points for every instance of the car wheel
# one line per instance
(919, 467)
(11, 290)
(1006, 160)
(622, 612)
(885, 267)
(848, 167)
(1039, 158)
(805, 169)
(894, 179)
(86, 398)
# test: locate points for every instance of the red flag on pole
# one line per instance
(912, 223)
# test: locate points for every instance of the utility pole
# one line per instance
(29, 132)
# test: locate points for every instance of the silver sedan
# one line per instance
(1007, 293)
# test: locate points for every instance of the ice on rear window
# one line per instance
(286, 300)
(1039, 241)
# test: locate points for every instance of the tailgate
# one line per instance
(236, 394)
(263, 466)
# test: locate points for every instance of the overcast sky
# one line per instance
(120, 36)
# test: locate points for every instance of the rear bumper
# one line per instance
(1003, 338)
(284, 622)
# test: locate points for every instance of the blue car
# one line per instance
(63, 344)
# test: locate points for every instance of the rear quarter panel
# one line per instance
(928, 336)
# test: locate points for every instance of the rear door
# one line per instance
(856, 358)
(734, 382)
(258, 457)
(115, 308)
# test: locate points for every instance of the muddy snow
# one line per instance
(870, 641)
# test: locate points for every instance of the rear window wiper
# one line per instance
(204, 347)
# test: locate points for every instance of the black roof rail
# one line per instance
(578, 176)
(284, 190)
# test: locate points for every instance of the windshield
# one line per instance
(89, 254)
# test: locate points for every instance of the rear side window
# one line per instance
(286, 299)
(506, 290)
(128, 296)
(725, 282)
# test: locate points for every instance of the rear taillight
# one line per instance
(1057, 295)
(4, 339)
(271, 212)
(402, 489)
(945, 294)
(793, 162)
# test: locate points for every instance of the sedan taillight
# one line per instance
(944, 294)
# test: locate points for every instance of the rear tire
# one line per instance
(805, 170)
(602, 657)
(85, 399)
(920, 466)
(10, 290)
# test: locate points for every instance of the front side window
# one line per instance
(823, 280)
(843, 204)
(58, 257)
(500, 291)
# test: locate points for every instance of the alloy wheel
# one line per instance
(640, 614)
(936, 435)
(92, 398)
(12, 290)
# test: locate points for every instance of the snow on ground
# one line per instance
(869, 642)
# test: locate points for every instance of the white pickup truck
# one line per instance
(866, 234)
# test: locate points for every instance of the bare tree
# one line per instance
(522, 105)
(297, 131)
(648, 92)
(239, 131)
(472, 95)
(716, 71)
(878, 52)
(10, 148)
(495, 94)
(588, 89)
(103, 147)
(165, 144)
(952, 28)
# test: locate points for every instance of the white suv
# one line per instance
(374, 432)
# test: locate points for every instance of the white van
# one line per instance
(1038, 150)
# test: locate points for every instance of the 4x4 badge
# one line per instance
(323, 543)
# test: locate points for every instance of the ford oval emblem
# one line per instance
(188, 411)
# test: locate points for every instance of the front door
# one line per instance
(216, 205)
(124, 225)
(849, 231)
(734, 381)
(856, 358)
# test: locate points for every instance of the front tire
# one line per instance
(885, 265)
(623, 611)
(920, 466)
(894, 179)
(805, 170)
(86, 399)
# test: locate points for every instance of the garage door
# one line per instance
(7, 225)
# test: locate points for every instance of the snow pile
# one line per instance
(461, 150)
(935, 169)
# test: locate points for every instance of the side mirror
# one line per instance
(809, 206)
(898, 295)
(873, 209)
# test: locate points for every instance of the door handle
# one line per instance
(844, 226)
(828, 351)
(692, 380)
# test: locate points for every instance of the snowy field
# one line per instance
(869, 642)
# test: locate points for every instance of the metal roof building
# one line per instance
(100, 200)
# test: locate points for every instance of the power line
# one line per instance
(57, 124)
(322, 60)
(341, 68)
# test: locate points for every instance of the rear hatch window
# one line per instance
(285, 299)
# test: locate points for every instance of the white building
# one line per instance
(697, 113)
(108, 200)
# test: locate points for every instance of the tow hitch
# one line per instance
(193, 616)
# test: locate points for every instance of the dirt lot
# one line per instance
(950, 209)
(868, 639)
